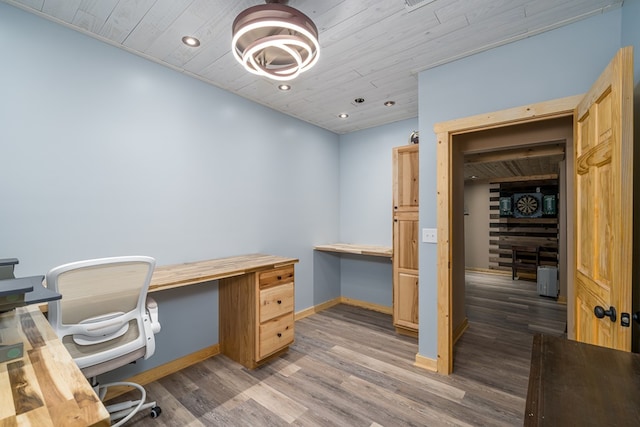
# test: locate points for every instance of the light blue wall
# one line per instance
(555, 64)
(105, 153)
(366, 181)
(631, 34)
(366, 207)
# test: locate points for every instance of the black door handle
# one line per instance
(636, 316)
(601, 312)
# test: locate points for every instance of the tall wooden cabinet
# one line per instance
(405, 239)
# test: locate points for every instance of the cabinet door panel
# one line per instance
(405, 304)
(405, 178)
(405, 245)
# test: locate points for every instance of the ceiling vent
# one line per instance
(412, 5)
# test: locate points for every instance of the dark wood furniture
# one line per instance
(576, 384)
(525, 258)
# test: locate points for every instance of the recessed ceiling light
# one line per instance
(473, 177)
(284, 87)
(390, 103)
(191, 41)
(358, 100)
(343, 115)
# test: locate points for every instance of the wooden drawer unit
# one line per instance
(276, 310)
(257, 315)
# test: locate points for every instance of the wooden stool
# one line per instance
(524, 258)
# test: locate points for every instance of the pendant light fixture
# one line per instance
(275, 41)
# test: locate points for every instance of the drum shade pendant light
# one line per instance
(275, 41)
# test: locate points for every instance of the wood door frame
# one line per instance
(446, 263)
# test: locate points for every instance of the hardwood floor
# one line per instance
(348, 367)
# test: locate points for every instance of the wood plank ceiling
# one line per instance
(371, 49)
(541, 161)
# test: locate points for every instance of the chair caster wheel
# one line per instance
(155, 412)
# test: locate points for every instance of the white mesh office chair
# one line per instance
(105, 320)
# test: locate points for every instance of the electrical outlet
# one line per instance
(430, 235)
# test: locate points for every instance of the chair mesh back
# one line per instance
(94, 290)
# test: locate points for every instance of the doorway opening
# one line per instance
(516, 129)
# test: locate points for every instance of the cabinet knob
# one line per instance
(279, 335)
(279, 277)
(279, 301)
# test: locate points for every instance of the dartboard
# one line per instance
(527, 205)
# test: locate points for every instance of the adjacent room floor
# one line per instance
(348, 367)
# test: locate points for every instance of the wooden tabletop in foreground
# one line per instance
(176, 275)
(577, 384)
(351, 248)
(44, 387)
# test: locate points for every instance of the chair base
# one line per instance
(124, 411)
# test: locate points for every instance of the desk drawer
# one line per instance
(276, 301)
(275, 335)
(276, 277)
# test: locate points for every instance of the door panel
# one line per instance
(406, 235)
(405, 307)
(603, 204)
(405, 175)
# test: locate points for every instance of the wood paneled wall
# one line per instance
(506, 232)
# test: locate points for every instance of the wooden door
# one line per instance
(603, 180)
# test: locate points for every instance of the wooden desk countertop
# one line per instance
(44, 387)
(177, 275)
(350, 248)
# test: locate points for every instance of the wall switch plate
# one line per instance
(430, 235)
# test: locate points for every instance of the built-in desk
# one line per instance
(361, 252)
(189, 273)
(44, 387)
(256, 301)
(357, 249)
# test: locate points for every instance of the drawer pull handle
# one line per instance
(279, 277)
(279, 301)
(279, 335)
